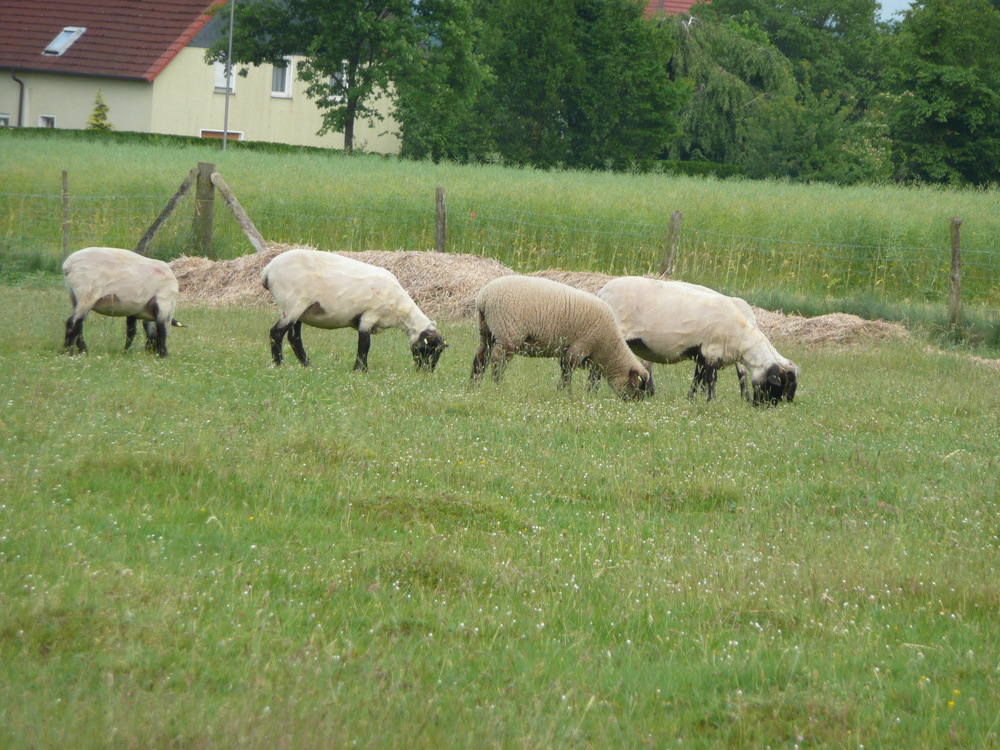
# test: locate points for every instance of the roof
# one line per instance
(131, 39)
(668, 6)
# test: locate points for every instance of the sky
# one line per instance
(891, 7)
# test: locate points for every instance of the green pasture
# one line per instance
(208, 551)
(831, 245)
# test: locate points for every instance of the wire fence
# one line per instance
(523, 240)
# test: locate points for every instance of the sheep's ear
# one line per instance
(773, 380)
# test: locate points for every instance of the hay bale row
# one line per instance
(444, 286)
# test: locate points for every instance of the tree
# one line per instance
(625, 109)
(99, 117)
(439, 83)
(580, 83)
(944, 112)
(732, 67)
(531, 51)
(353, 49)
(813, 139)
(834, 45)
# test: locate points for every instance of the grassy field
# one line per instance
(207, 551)
(746, 237)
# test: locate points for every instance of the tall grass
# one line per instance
(207, 551)
(742, 236)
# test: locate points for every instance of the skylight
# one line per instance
(63, 40)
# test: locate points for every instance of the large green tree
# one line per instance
(733, 69)
(944, 109)
(439, 81)
(530, 49)
(353, 49)
(833, 45)
(581, 83)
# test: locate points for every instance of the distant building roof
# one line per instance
(132, 40)
(668, 6)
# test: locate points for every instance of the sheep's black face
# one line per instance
(778, 384)
(427, 350)
(639, 385)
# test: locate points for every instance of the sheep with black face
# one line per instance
(538, 317)
(326, 290)
(670, 321)
(119, 283)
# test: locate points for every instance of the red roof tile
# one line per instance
(132, 39)
(668, 6)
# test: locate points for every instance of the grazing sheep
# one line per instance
(117, 282)
(537, 317)
(327, 290)
(668, 321)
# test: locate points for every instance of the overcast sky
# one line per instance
(891, 7)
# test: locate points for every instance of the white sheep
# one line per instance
(327, 290)
(669, 321)
(117, 282)
(538, 317)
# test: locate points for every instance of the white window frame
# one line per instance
(46, 121)
(64, 40)
(4, 120)
(234, 135)
(220, 79)
(336, 97)
(286, 92)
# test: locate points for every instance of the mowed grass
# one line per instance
(207, 551)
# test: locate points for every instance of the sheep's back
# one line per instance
(95, 272)
(520, 308)
(672, 317)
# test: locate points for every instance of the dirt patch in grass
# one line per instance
(444, 286)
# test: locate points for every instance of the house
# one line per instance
(147, 58)
(670, 7)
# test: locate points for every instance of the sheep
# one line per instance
(117, 282)
(326, 290)
(538, 317)
(668, 321)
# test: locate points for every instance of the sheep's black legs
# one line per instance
(483, 354)
(593, 378)
(704, 379)
(74, 335)
(364, 344)
(295, 339)
(129, 331)
(277, 337)
(567, 364)
(161, 337)
(741, 375)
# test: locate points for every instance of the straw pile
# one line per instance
(444, 286)
(826, 330)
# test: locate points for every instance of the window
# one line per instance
(281, 80)
(46, 121)
(338, 85)
(4, 121)
(63, 40)
(220, 79)
(232, 135)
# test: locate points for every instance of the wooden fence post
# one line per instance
(955, 296)
(241, 216)
(670, 247)
(440, 220)
(204, 209)
(165, 213)
(65, 206)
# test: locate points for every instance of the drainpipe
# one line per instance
(20, 100)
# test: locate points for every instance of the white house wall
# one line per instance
(185, 102)
(70, 99)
